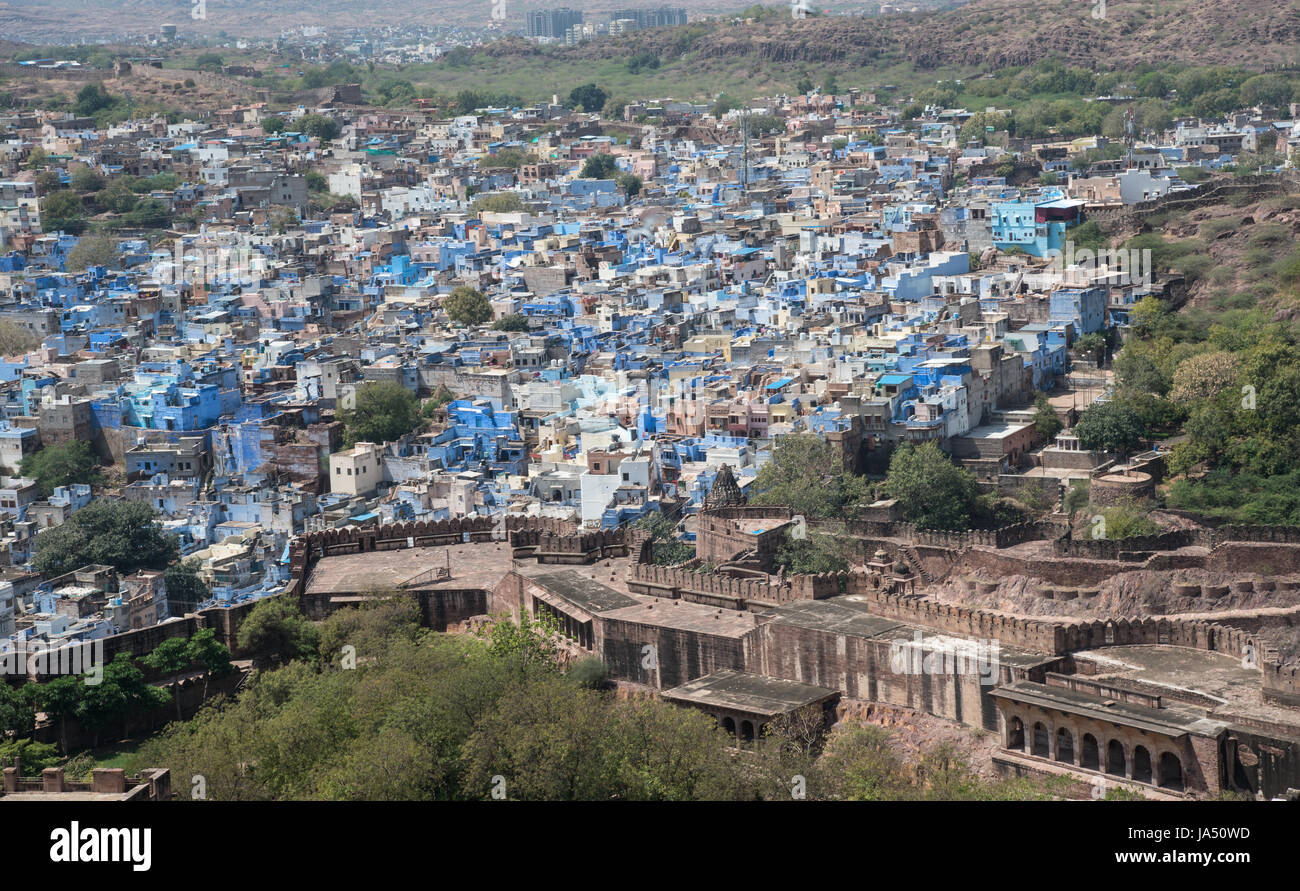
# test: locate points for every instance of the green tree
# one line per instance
(808, 475)
(62, 464)
(33, 756)
(932, 491)
(274, 124)
(1092, 345)
(1046, 422)
(1266, 89)
(121, 693)
(92, 98)
(1111, 427)
(599, 166)
(383, 412)
(527, 645)
(60, 699)
(319, 126)
(859, 764)
(815, 553)
(185, 587)
(629, 183)
(501, 202)
(14, 341)
(666, 549)
(588, 97)
(148, 213)
(590, 672)
(509, 157)
(208, 62)
(63, 212)
(85, 179)
(724, 104)
(440, 397)
(203, 649)
(17, 709)
(276, 632)
(121, 534)
(514, 322)
(118, 196)
(91, 250)
(170, 658)
(467, 306)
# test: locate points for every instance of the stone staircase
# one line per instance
(913, 561)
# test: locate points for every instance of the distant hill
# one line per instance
(747, 57)
(60, 20)
(991, 34)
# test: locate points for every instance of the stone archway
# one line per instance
(1089, 752)
(1171, 772)
(1116, 759)
(729, 726)
(747, 731)
(1016, 734)
(1141, 764)
(1064, 746)
(1041, 747)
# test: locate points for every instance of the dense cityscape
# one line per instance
(461, 412)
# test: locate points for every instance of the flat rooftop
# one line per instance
(751, 693)
(851, 616)
(584, 591)
(682, 615)
(1172, 721)
(994, 431)
(478, 566)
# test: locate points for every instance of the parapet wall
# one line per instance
(717, 589)
(306, 549)
(1004, 537)
(1211, 539)
(1056, 638)
(223, 620)
(551, 547)
(1282, 683)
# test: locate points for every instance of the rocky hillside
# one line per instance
(985, 34)
(991, 34)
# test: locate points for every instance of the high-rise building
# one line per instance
(552, 23)
(662, 17)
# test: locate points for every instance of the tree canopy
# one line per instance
(320, 126)
(1111, 427)
(276, 631)
(91, 250)
(467, 306)
(599, 166)
(62, 464)
(933, 492)
(588, 97)
(63, 211)
(514, 322)
(499, 716)
(123, 534)
(808, 476)
(384, 411)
